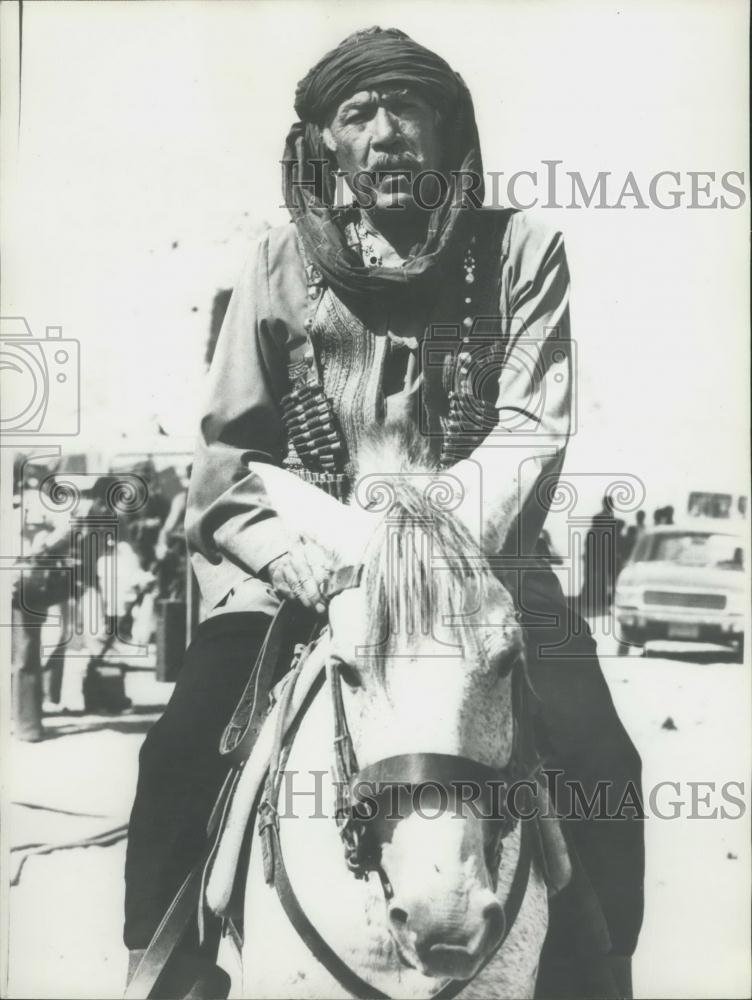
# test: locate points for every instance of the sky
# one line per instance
(148, 156)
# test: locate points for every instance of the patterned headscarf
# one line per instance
(373, 59)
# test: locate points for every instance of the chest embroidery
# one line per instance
(351, 362)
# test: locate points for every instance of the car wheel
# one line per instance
(628, 641)
(629, 649)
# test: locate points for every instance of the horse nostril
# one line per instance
(398, 916)
(493, 914)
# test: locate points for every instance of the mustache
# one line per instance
(394, 162)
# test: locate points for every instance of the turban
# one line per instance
(370, 60)
(367, 60)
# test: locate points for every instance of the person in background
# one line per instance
(145, 524)
(170, 548)
(121, 580)
(604, 546)
(37, 588)
(633, 534)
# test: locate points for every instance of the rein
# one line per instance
(353, 814)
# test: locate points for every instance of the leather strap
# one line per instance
(241, 733)
(400, 767)
(413, 769)
(349, 980)
(268, 818)
(344, 578)
(174, 923)
(218, 821)
(236, 743)
(345, 976)
(166, 937)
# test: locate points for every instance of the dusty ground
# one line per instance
(66, 908)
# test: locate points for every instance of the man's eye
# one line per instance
(404, 106)
(355, 116)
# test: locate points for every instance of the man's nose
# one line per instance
(385, 132)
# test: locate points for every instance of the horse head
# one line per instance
(421, 652)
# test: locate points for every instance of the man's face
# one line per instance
(394, 130)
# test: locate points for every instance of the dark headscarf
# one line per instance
(373, 59)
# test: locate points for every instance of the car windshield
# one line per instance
(691, 548)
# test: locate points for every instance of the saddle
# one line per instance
(225, 867)
(277, 664)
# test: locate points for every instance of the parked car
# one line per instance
(685, 583)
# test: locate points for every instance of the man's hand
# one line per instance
(302, 574)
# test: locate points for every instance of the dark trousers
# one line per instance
(579, 733)
(26, 658)
(181, 769)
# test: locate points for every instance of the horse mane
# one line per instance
(422, 565)
(397, 446)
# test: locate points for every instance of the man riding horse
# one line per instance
(409, 303)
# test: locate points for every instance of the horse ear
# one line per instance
(307, 510)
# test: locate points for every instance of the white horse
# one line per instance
(422, 657)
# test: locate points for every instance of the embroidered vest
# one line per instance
(336, 369)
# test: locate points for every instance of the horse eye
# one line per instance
(512, 662)
(350, 675)
(507, 662)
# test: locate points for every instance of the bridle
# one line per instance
(361, 792)
(356, 820)
(449, 772)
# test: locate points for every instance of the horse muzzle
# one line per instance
(441, 941)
